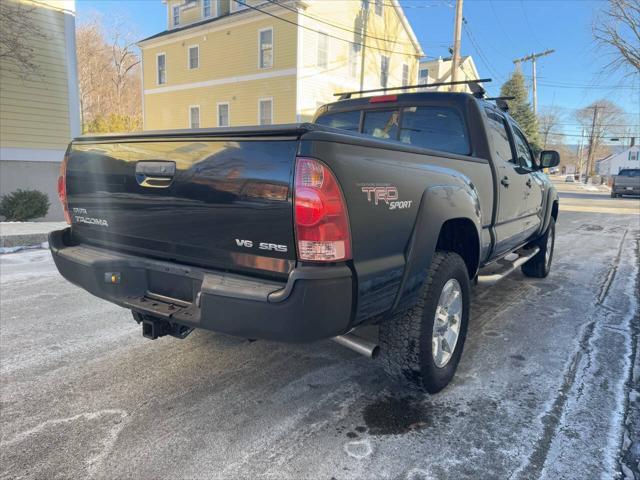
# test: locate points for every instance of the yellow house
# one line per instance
(439, 71)
(39, 108)
(229, 63)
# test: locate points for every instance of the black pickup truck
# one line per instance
(383, 212)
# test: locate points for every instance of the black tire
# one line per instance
(613, 195)
(406, 339)
(540, 265)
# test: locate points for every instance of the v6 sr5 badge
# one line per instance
(386, 195)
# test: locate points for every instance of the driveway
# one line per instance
(544, 388)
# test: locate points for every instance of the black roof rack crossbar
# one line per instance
(501, 102)
(475, 86)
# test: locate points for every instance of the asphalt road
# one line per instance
(545, 389)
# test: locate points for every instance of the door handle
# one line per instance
(528, 182)
(155, 174)
(505, 181)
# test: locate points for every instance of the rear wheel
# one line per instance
(540, 265)
(613, 195)
(423, 344)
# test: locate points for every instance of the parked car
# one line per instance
(570, 178)
(627, 182)
(384, 212)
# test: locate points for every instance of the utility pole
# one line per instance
(591, 143)
(580, 148)
(533, 58)
(457, 32)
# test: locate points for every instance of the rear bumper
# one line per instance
(315, 302)
(622, 190)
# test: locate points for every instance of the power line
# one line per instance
(240, 2)
(480, 52)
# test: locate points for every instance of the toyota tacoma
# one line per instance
(382, 212)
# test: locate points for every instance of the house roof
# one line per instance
(234, 15)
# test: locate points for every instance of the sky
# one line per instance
(496, 32)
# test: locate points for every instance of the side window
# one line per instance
(438, 128)
(266, 48)
(499, 136)
(523, 152)
(344, 120)
(381, 124)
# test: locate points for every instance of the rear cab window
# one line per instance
(629, 173)
(426, 126)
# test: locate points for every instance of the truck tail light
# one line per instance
(320, 212)
(62, 187)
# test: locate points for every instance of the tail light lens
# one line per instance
(62, 187)
(321, 220)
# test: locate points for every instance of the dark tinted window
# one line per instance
(438, 128)
(524, 158)
(629, 173)
(499, 137)
(381, 124)
(344, 120)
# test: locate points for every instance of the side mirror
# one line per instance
(549, 159)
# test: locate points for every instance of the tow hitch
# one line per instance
(153, 327)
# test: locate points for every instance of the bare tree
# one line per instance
(109, 77)
(601, 120)
(618, 31)
(547, 123)
(18, 35)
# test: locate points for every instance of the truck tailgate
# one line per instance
(221, 201)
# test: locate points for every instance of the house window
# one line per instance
(237, 5)
(365, 4)
(161, 69)
(194, 57)
(194, 116)
(206, 8)
(266, 48)
(265, 112)
(176, 15)
(223, 114)
(323, 43)
(384, 71)
(378, 8)
(354, 49)
(423, 76)
(405, 74)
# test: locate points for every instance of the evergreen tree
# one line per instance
(520, 108)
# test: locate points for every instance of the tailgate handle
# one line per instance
(155, 174)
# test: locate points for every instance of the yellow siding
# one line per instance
(242, 99)
(225, 53)
(317, 85)
(34, 112)
(229, 49)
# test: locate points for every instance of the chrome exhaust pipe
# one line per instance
(358, 344)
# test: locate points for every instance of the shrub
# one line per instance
(23, 205)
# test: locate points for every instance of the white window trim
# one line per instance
(328, 49)
(273, 48)
(214, 9)
(265, 99)
(159, 54)
(228, 114)
(173, 17)
(189, 56)
(189, 113)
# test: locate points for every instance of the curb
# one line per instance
(23, 240)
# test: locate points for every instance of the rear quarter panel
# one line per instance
(381, 232)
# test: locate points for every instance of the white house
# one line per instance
(439, 71)
(611, 165)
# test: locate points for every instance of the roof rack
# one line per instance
(474, 85)
(501, 102)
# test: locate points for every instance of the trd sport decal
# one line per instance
(384, 195)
